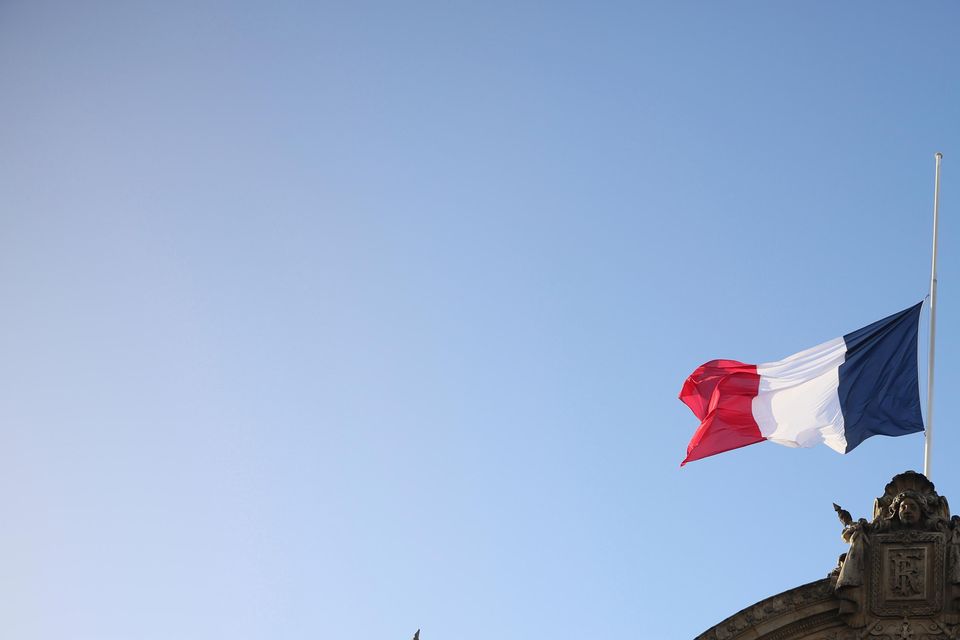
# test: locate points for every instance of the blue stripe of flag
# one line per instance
(879, 389)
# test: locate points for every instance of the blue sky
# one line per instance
(346, 319)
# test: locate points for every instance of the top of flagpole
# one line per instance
(928, 431)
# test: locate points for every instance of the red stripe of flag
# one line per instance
(721, 394)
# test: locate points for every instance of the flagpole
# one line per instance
(928, 439)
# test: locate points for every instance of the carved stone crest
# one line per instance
(904, 564)
(907, 574)
(899, 579)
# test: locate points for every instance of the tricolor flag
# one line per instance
(839, 393)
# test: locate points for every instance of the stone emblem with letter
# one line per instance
(899, 579)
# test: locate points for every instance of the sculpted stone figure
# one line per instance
(910, 506)
(898, 580)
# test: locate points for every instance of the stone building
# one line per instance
(899, 580)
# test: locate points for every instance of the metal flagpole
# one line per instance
(928, 439)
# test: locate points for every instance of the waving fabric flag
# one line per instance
(839, 393)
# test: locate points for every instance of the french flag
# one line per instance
(839, 393)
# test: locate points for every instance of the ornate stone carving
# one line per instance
(816, 596)
(899, 580)
(907, 574)
(905, 629)
(897, 565)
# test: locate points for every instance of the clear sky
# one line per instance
(343, 319)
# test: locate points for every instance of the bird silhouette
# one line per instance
(843, 514)
(416, 636)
